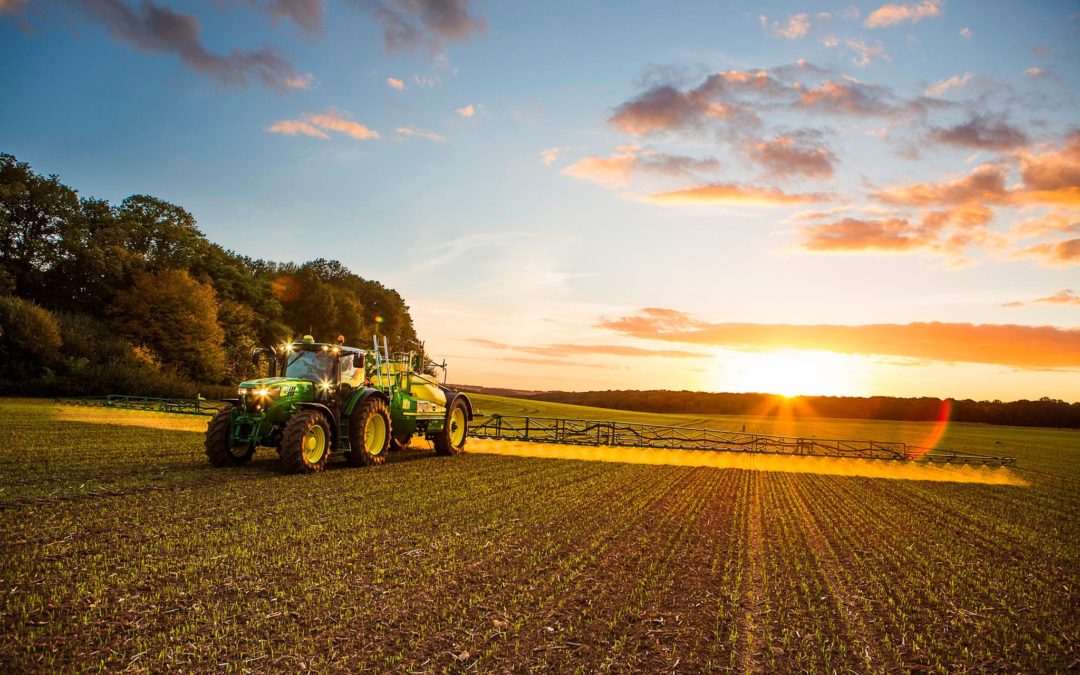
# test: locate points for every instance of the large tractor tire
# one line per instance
(369, 433)
(218, 449)
(451, 440)
(305, 443)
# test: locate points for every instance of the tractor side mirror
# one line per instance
(255, 354)
(357, 360)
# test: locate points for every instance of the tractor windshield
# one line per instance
(314, 366)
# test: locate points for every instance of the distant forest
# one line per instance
(1045, 412)
(132, 298)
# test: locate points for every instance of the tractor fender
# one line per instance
(452, 396)
(361, 396)
(325, 410)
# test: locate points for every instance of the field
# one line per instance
(122, 549)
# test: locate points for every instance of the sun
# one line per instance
(790, 373)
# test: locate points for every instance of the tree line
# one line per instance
(1045, 412)
(132, 298)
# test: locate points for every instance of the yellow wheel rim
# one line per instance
(375, 435)
(457, 427)
(314, 444)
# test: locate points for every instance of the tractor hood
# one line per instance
(266, 382)
(275, 385)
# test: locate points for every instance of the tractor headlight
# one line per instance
(241, 392)
(264, 392)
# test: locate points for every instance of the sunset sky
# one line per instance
(822, 198)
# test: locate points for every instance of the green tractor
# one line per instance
(322, 398)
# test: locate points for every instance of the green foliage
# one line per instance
(177, 318)
(87, 256)
(29, 337)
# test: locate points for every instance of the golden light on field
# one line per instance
(790, 373)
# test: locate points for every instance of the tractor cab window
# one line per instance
(351, 375)
(314, 366)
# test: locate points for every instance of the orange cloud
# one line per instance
(1054, 253)
(1062, 297)
(395, 83)
(857, 234)
(998, 344)
(1053, 176)
(580, 349)
(788, 156)
(889, 15)
(296, 127)
(851, 98)
(985, 185)
(617, 169)
(614, 170)
(467, 111)
(732, 193)
(337, 120)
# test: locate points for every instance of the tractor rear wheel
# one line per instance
(369, 433)
(451, 440)
(305, 443)
(219, 449)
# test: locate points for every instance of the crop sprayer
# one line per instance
(320, 399)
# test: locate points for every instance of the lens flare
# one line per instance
(941, 425)
(828, 466)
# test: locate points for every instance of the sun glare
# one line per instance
(790, 373)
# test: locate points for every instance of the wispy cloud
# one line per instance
(891, 14)
(414, 132)
(618, 169)
(307, 14)
(331, 120)
(424, 25)
(863, 54)
(467, 111)
(1063, 297)
(548, 156)
(588, 349)
(941, 86)
(395, 83)
(796, 26)
(150, 27)
(733, 194)
(296, 127)
(999, 344)
(983, 132)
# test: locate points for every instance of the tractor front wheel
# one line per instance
(219, 448)
(305, 443)
(451, 440)
(369, 433)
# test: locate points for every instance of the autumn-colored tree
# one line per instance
(176, 317)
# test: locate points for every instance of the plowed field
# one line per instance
(120, 548)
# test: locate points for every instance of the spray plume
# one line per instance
(829, 466)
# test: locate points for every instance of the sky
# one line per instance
(801, 198)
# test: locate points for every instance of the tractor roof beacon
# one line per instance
(323, 398)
